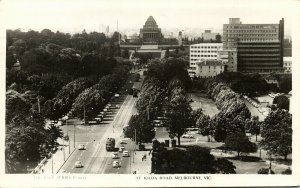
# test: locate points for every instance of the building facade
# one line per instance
(203, 51)
(208, 35)
(259, 46)
(209, 68)
(287, 65)
(229, 59)
(259, 57)
(150, 33)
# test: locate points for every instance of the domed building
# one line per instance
(150, 33)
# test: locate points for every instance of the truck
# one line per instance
(110, 144)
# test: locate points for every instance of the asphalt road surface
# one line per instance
(95, 158)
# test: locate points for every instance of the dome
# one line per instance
(150, 21)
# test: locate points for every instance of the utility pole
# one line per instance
(74, 135)
(84, 113)
(39, 106)
(64, 149)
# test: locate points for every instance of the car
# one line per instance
(81, 147)
(115, 155)
(78, 164)
(123, 141)
(125, 154)
(117, 106)
(187, 136)
(121, 149)
(116, 164)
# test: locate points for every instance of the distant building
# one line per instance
(203, 51)
(209, 68)
(150, 33)
(259, 46)
(287, 64)
(208, 35)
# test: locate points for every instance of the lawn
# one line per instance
(201, 100)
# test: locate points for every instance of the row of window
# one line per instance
(251, 31)
(204, 51)
(209, 67)
(206, 47)
(203, 55)
(245, 26)
(250, 35)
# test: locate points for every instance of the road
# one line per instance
(95, 158)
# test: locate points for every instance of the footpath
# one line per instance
(53, 164)
(141, 164)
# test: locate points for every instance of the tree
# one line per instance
(239, 142)
(179, 116)
(192, 160)
(277, 133)
(287, 171)
(53, 133)
(285, 84)
(224, 166)
(282, 102)
(218, 38)
(204, 125)
(253, 126)
(140, 127)
(24, 136)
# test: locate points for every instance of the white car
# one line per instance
(187, 136)
(123, 141)
(78, 164)
(125, 154)
(117, 106)
(81, 147)
(115, 155)
(116, 164)
(121, 149)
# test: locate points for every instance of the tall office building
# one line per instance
(259, 46)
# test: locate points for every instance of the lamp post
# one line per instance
(74, 135)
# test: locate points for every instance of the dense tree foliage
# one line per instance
(240, 143)
(55, 68)
(282, 102)
(277, 133)
(192, 160)
(94, 98)
(141, 127)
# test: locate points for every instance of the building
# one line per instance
(229, 59)
(203, 51)
(259, 46)
(260, 57)
(150, 33)
(209, 68)
(287, 65)
(208, 35)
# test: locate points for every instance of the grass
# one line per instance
(201, 100)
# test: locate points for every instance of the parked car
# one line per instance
(123, 141)
(187, 136)
(81, 147)
(78, 164)
(125, 154)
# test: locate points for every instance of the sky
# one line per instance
(93, 15)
